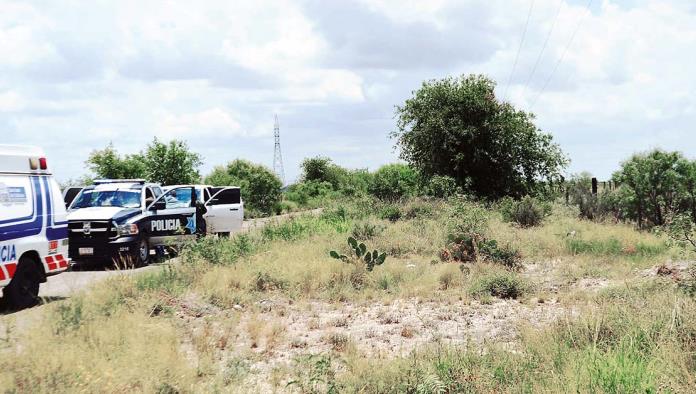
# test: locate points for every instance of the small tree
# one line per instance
(394, 181)
(260, 186)
(172, 163)
(656, 185)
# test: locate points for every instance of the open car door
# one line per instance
(173, 217)
(70, 193)
(225, 210)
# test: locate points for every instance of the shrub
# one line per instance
(466, 240)
(418, 210)
(364, 231)
(266, 282)
(442, 187)
(286, 207)
(260, 186)
(528, 212)
(506, 285)
(505, 256)
(390, 212)
(303, 193)
(393, 182)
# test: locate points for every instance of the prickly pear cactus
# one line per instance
(360, 252)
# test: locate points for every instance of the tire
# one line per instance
(142, 253)
(23, 290)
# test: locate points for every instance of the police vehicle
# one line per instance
(224, 207)
(120, 221)
(33, 226)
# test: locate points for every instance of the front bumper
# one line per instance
(103, 252)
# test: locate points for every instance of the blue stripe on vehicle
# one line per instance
(29, 229)
(53, 230)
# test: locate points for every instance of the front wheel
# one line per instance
(23, 290)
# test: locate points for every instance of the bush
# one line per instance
(467, 242)
(303, 193)
(260, 186)
(364, 231)
(285, 206)
(393, 182)
(390, 212)
(440, 186)
(528, 212)
(505, 285)
(505, 256)
(418, 210)
(591, 206)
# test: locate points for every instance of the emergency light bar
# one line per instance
(107, 181)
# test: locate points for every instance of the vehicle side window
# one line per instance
(157, 190)
(206, 195)
(16, 197)
(179, 198)
(227, 196)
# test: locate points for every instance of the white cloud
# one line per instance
(214, 73)
(213, 121)
(11, 102)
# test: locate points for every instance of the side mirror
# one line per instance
(158, 205)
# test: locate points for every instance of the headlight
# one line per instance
(125, 230)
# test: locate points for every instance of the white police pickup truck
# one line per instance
(120, 221)
(33, 226)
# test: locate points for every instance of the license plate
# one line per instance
(86, 251)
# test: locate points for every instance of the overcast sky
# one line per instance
(75, 75)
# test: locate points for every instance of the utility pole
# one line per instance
(277, 156)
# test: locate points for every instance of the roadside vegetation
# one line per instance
(441, 274)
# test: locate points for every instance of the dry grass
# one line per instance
(243, 313)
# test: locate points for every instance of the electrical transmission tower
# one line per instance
(277, 156)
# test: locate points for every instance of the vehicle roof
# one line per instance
(115, 186)
(173, 186)
(16, 159)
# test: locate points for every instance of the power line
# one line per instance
(519, 49)
(543, 48)
(560, 59)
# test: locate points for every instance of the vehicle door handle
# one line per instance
(234, 209)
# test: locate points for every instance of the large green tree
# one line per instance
(260, 186)
(166, 163)
(456, 127)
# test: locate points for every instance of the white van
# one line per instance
(33, 225)
(223, 205)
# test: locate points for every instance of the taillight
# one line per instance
(42, 163)
(33, 164)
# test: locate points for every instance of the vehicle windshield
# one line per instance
(108, 198)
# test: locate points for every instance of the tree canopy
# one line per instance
(655, 186)
(166, 163)
(456, 127)
(260, 186)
